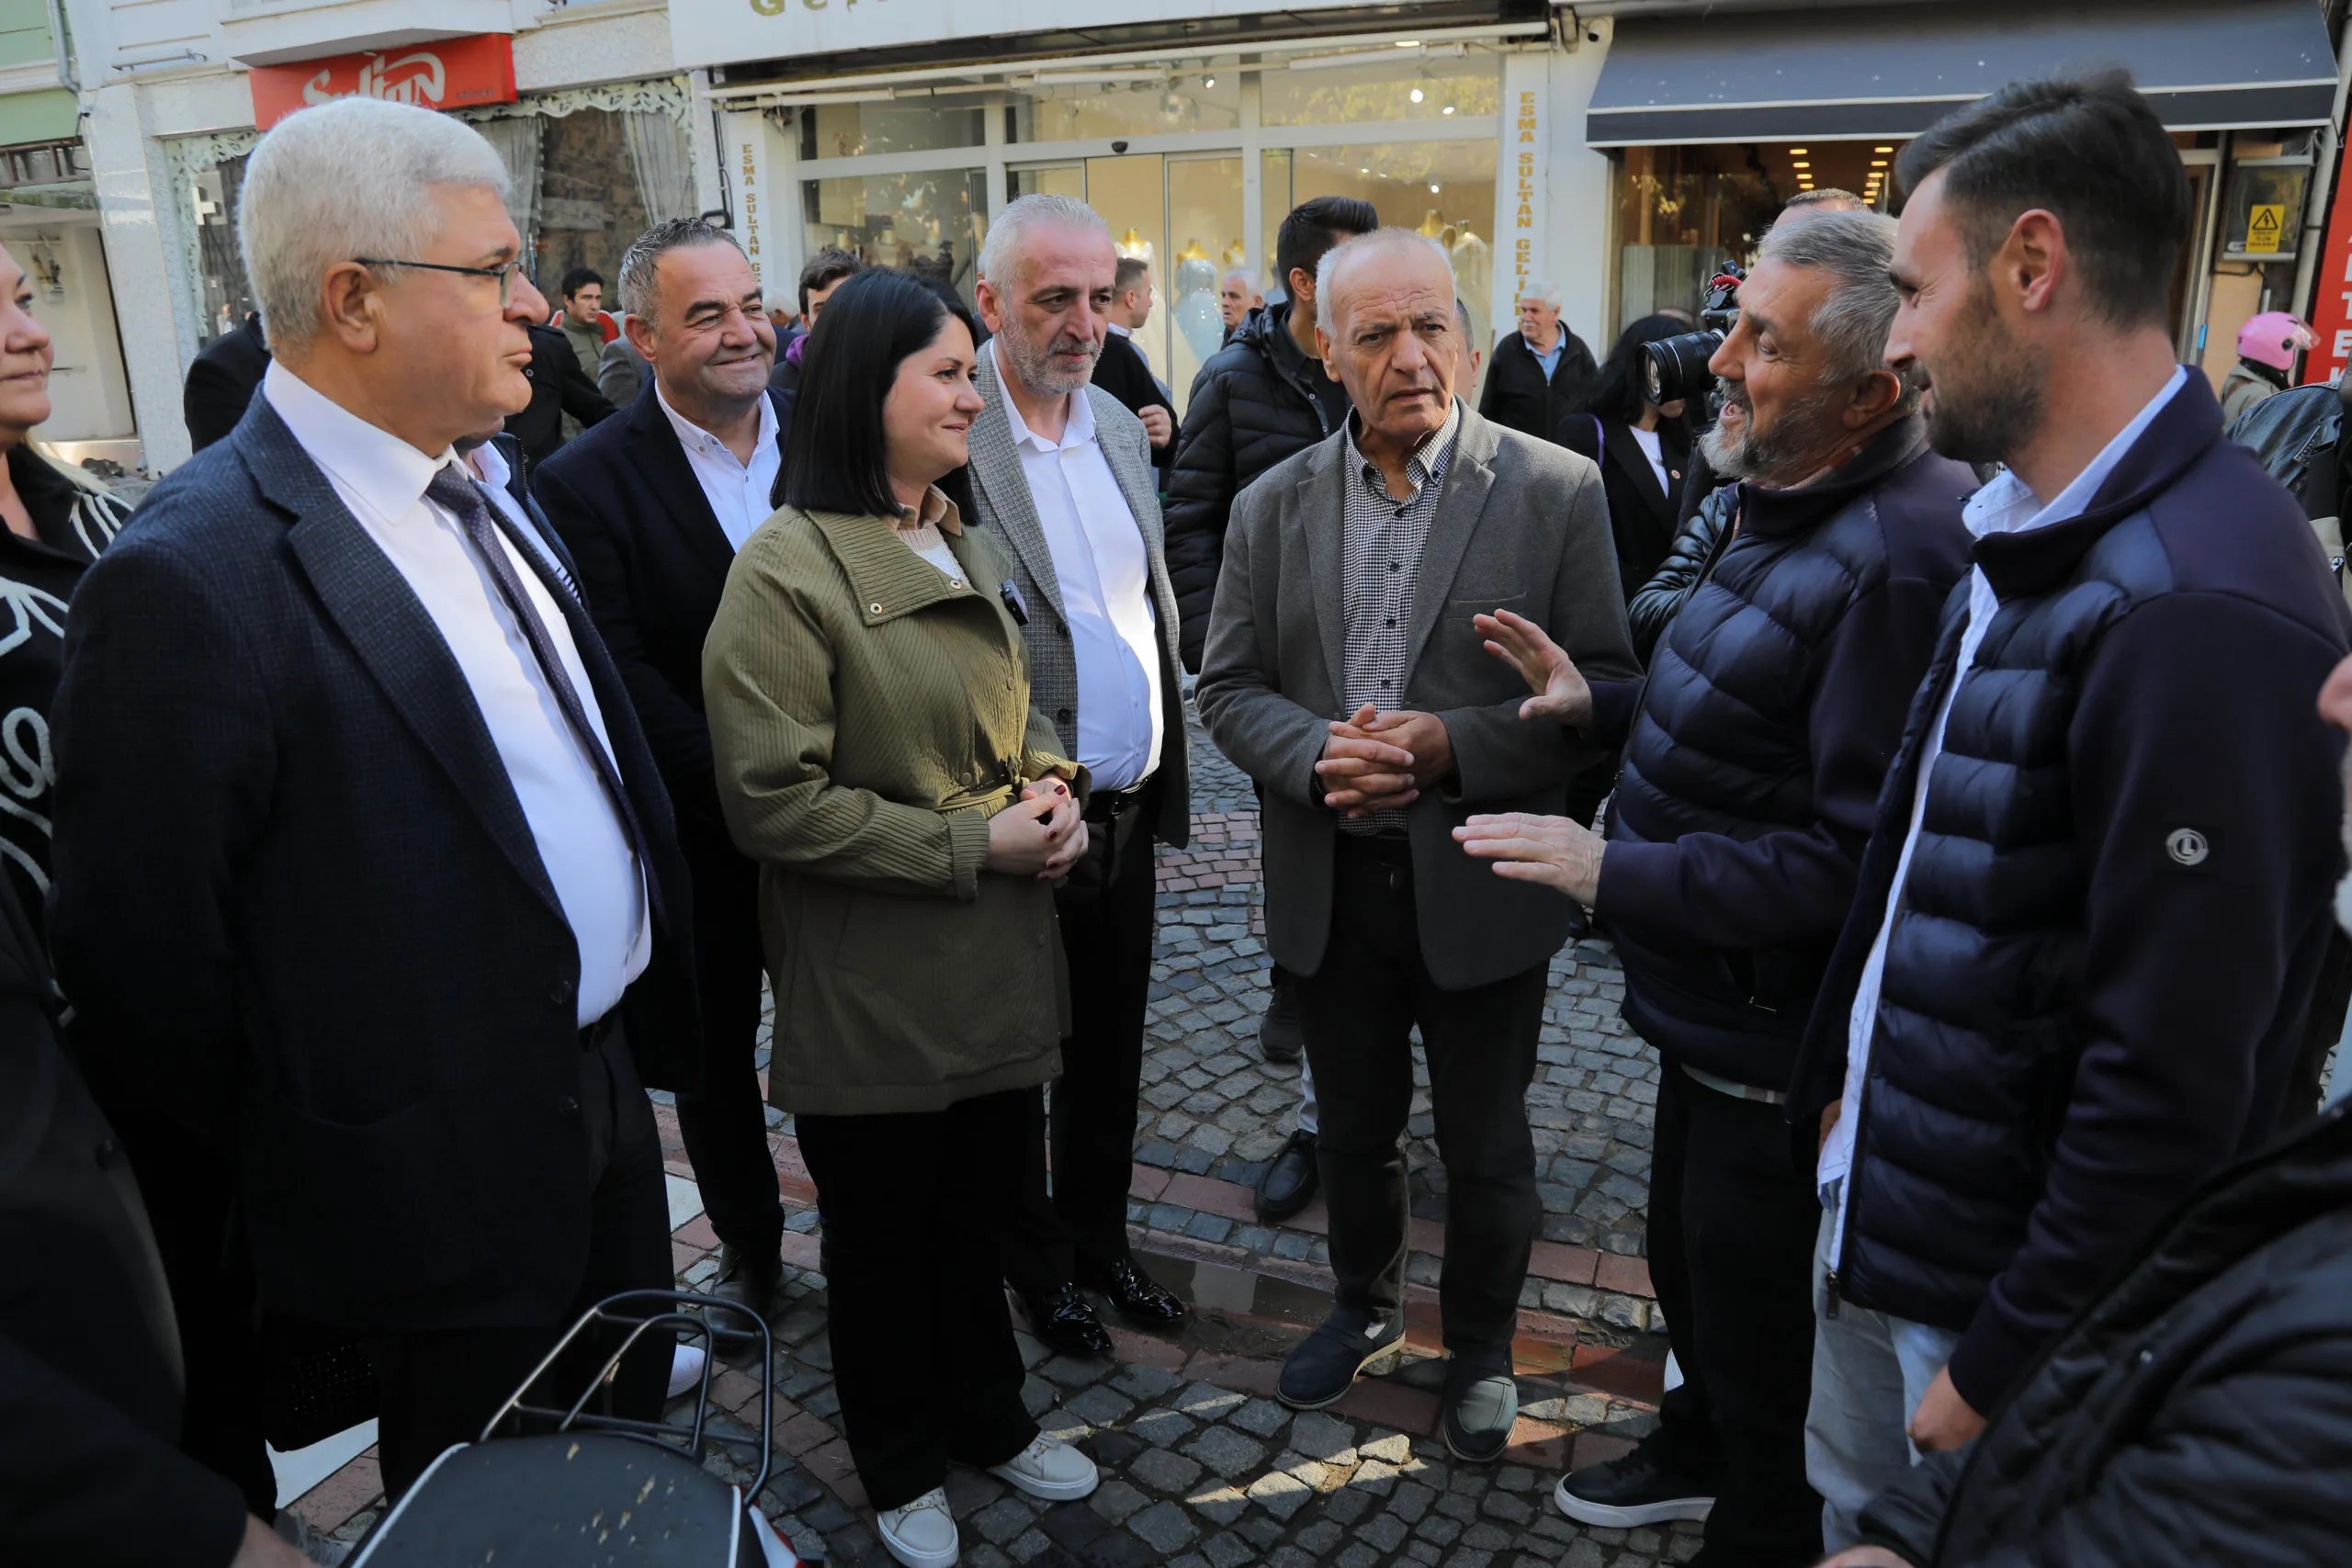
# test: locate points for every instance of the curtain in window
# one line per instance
(663, 164)
(517, 140)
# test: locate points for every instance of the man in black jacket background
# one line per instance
(221, 382)
(558, 386)
(653, 505)
(1540, 369)
(2097, 895)
(1259, 399)
(1750, 782)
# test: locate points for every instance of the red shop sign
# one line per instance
(453, 74)
(2332, 285)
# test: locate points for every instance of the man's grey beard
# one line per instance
(1033, 364)
(1782, 455)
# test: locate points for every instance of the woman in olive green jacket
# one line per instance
(868, 695)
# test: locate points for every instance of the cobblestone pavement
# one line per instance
(1201, 1468)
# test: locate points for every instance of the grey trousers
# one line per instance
(1869, 1371)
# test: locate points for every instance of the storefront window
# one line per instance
(227, 298)
(931, 222)
(918, 123)
(1354, 94)
(1084, 111)
(591, 196)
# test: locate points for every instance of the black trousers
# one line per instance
(724, 1122)
(1108, 912)
(1732, 1226)
(1357, 1014)
(439, 1387)
(192, 1201)
(923, 1357)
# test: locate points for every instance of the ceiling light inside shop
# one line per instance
(1432, 190)
(1409, 43)
(1796, 151)
(1448, 109)
(1800, 163)
(1878, 163)
(1881, 149)
(1208, 81)
(1417, 94)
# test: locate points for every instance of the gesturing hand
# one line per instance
(1361, 773)
(1562, 693)
(1554, 851)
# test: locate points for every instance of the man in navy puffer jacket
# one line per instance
(1753, 758)
(2098, 892)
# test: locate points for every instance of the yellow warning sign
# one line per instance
(2262, 230)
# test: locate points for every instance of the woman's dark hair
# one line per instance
(836, 460)
(1616, 391)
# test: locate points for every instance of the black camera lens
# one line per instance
(1674, 368)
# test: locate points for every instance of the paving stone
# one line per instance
(1163, 1471)
(1002, 1521)
(1226, 1452)
(1393, 1448)
(1262, 1418)
(1227, 1550)
(1206, 1401)
(1410, 1501)
(1160, 1428)
(1280, 1494)
(1098, 1406)
(1324, 1438)
(1165, 1527)
(1219, 1503)
(1144, 1382)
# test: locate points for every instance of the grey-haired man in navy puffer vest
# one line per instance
(1753, 757)
(2099, 890)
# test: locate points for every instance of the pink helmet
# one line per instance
(2274, 338)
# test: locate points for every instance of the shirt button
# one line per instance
(1395, 566)
(561, 993)
(1392, 620)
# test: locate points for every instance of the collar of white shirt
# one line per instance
(385, 471)
(1079, 431)
(1123, 331)
(2005, 507)
(694, 438)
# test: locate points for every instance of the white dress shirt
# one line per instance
(2004, 506)
(582, 842)
(1653, 447)
(1105, 580)
(738, 491)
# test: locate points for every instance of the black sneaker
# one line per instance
(1279, 1038)
(1644, 1487)
(1321, 1371)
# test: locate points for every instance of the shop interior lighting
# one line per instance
(1878, 163)
(1432, 190)
(1448, 109)
(1208, 82)
(1881, 149)
(1800, 165)
(1409, 43)
(1796, 151)
(1417, 94)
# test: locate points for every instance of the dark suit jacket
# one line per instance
(652, 563)
(1123, 373)
(1641, 510)
(297, 899)
(558, 386)
(89, 1354)
(222, 382)
(1519, 527)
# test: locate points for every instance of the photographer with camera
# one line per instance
(1734, 844)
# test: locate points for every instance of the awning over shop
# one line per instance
(1894, 70)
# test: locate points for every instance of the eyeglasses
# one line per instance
(505, 274)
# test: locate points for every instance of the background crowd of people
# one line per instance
(447, 754)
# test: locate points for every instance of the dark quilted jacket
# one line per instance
(1751, 776)
(2095, 981)
(1256, 402)
(1654, 606)
(2198, 1413)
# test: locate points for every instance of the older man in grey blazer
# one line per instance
(1061, 472)
(1342, 674)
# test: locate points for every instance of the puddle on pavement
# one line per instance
(1216, 1287)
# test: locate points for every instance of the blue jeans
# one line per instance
(1869, 1371)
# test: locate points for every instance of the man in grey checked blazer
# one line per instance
(1061, 472)
(1343, 673)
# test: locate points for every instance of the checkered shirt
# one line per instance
(1380, 553)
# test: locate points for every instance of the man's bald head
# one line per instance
(1381, 255)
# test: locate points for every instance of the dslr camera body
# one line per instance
(1675, 368)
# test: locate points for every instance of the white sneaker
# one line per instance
(1050, 1469)
(685, 1369)
(922, 1534)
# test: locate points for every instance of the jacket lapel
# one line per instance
(1322, 513)
(1468, 479)
(673, 482)
(390, 630)
(1635, 463)
(1001, 490)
